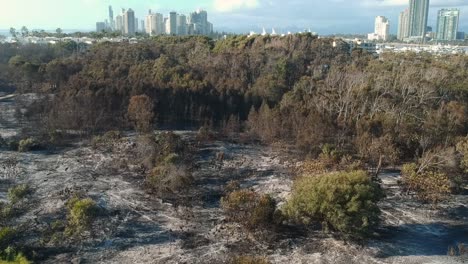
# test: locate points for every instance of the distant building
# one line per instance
(142, 23)
(137, 23)
(447, 24)
(198, 23)
(171, 29)
(403, 25)
(119, 23)
(182, 25)
(129, 22)
(418, 14)
(381, 30)
(461, 35)
(111, 19)
(155, 24)
(100, 26)
(360, 44)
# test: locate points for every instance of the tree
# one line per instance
(24, 32)
(141, 113)
(59, 32)
(13, 32)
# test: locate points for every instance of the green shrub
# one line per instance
(7, 235)
(17, 193)
(343, 201)
(81, 215)
(28, 145)
(429, 185)
(11, 256)
(249, 260)
(249, 208)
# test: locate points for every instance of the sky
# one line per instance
(322, 16)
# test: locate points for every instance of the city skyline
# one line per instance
(335, 16)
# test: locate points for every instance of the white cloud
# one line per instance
(230, 5)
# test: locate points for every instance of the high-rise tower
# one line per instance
(403, 25)
(418, 13)
(129, 22)
(447, 24)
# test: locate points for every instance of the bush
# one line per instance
(81, 215)
(11, 256)
(28, 145)
(249, 208)
(249, 260)
(169, 179)
(343, 201)
(106, 140)
(7, 235)
(429, 186)
(17, 193)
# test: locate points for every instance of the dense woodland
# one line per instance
(298, 89)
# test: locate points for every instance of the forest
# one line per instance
(349, 114)
(297, 89)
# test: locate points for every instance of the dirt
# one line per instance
(136, 227)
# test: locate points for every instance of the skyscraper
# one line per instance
(199, 22)
(182, 25)
(172, 28)
(129, 22)
(119, 24)
(111, 18)
(155, 24)
(447, 24)
(403, 25)
(381, 29)
(100, 26)
(136, 24)
(418, 13)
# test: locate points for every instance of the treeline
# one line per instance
(298, 88)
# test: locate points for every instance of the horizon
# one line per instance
(334, 17)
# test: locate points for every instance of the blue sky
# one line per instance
(322, 16)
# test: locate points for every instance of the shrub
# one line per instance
(249, 208)
(343, 201)
(81, 215)
(429, 185)
(249, 260)
(7, 235)
(169, 179)
(27, 145)
(17, 193)
(11, 256)
(106, 140)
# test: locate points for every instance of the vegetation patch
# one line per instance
(341, 201)
(18, 193)
(81, 215)
(252, 210)
(429, 185)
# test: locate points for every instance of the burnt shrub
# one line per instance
(249, 208)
